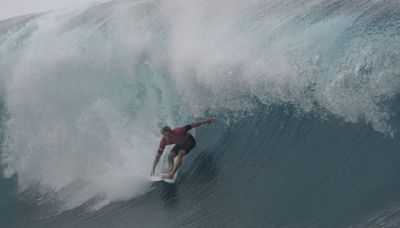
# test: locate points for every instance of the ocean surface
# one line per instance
(306, 96)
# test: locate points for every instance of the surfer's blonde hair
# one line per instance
(165, 128)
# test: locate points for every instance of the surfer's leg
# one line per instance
(171, 157)
(177, 164)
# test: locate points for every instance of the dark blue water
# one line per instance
(306, 96)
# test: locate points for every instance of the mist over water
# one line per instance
(85, 91)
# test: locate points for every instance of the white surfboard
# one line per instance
(169, 181)
(156, 178)
(162, 168)
(159, 177)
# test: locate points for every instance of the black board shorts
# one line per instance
(188, 145)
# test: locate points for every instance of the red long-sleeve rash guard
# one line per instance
(179, 136)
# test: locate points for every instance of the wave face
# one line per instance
(306, 94)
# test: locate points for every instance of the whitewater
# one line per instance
(306, 94)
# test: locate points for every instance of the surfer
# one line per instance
(184, 142)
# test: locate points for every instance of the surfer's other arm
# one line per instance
(156, 159)
(198, 123)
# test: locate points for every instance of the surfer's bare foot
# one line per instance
(167, 176)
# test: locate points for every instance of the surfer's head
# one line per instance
(166, 131)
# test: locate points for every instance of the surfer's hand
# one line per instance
(210, 120)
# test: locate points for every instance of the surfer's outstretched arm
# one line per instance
(198, 123)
